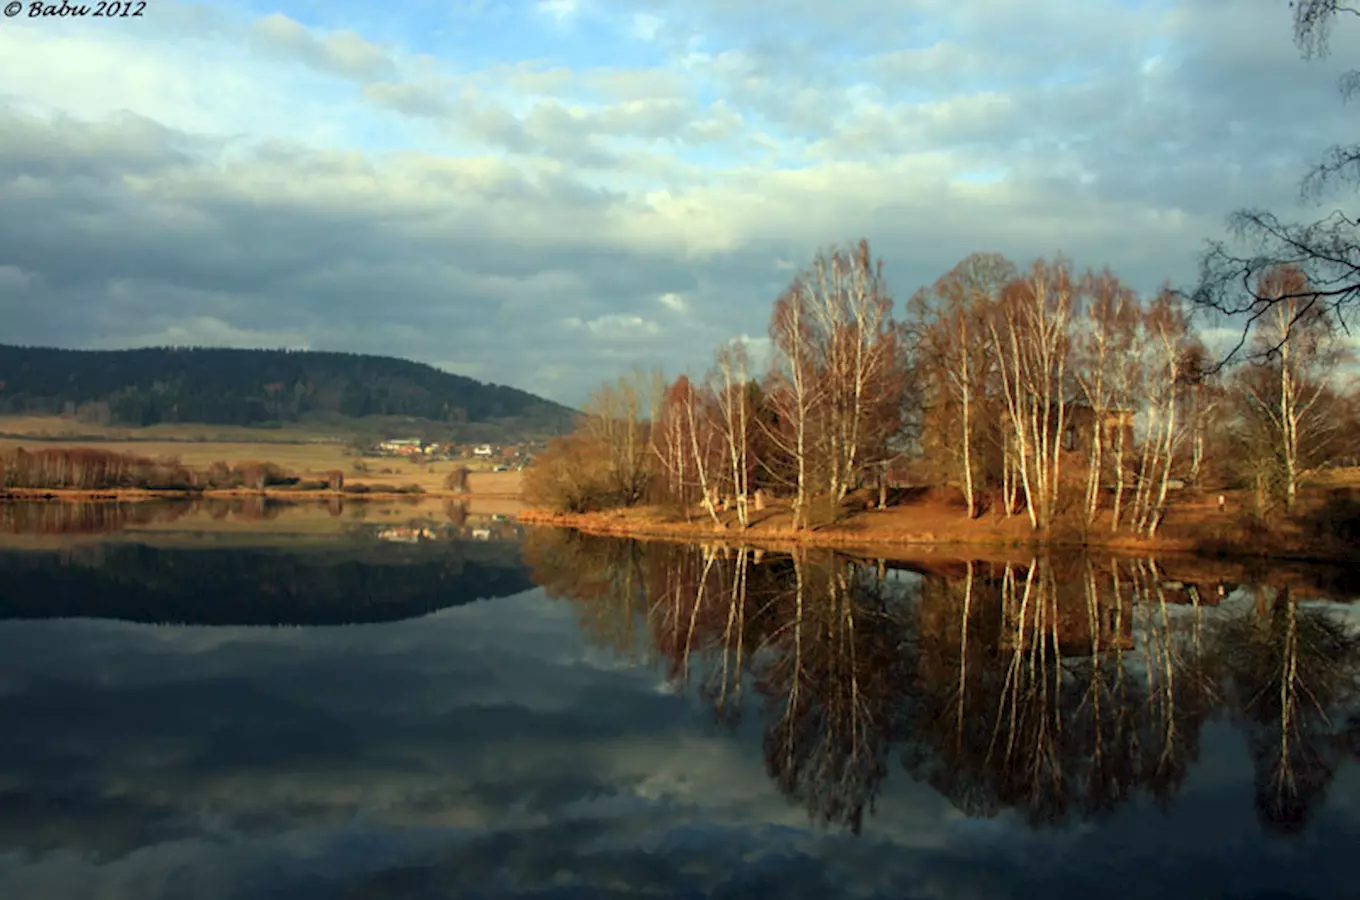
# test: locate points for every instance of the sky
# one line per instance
(545, 194)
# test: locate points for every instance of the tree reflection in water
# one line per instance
(1059, 689)
(1293, 674)
(1056, 689)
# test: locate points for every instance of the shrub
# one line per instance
(383, 489)
(1337, 520)
(221, 476)
(257, 476)
(571, 475)
(457, 480)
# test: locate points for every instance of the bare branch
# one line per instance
(1326, 252)
(1313, 24)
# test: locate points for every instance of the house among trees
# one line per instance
(1078, 430)
(403, 446)
(941, 424)
(484, 451)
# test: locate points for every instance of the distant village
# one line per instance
(499, 457)
(474, 527)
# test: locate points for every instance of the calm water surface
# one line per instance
(229, 706)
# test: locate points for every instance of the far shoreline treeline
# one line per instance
(86, 471)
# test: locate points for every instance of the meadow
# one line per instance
(305, 453)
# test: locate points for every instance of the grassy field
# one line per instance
(305, 460)
(335, 429)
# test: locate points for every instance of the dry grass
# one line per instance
(932, 518)
(308, 460)
(1348, 476)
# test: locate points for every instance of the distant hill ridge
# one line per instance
(222, 386)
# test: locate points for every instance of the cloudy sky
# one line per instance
(545, 193)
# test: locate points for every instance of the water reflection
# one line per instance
(39, 517)
(400, 520)
(362, 579)
(1062, 689)
(1292, 671)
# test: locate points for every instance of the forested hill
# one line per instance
(251, 387)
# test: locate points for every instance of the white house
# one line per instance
(483, 450)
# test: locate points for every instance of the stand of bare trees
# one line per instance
(84, 469)
(1051, 392)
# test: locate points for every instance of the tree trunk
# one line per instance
(1118, 478)
(1093, 475)
(967, 449)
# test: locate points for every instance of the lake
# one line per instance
(386, 700)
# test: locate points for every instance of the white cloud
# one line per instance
(673, 301)
(616, 326)
(343, 52)
(644, 26)
(561, 10)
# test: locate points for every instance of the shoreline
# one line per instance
(859, 532)
(132, 495)
(850, 535)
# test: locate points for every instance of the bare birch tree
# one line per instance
(1030, 336)
(855, 350)
(953, 315)
(1303, 352)
(795, 394)
(1166, 330)
(734, 420)
(1101, 343)
(671, 445)
(685, 447)
(1204, 398)
(1126, 377)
